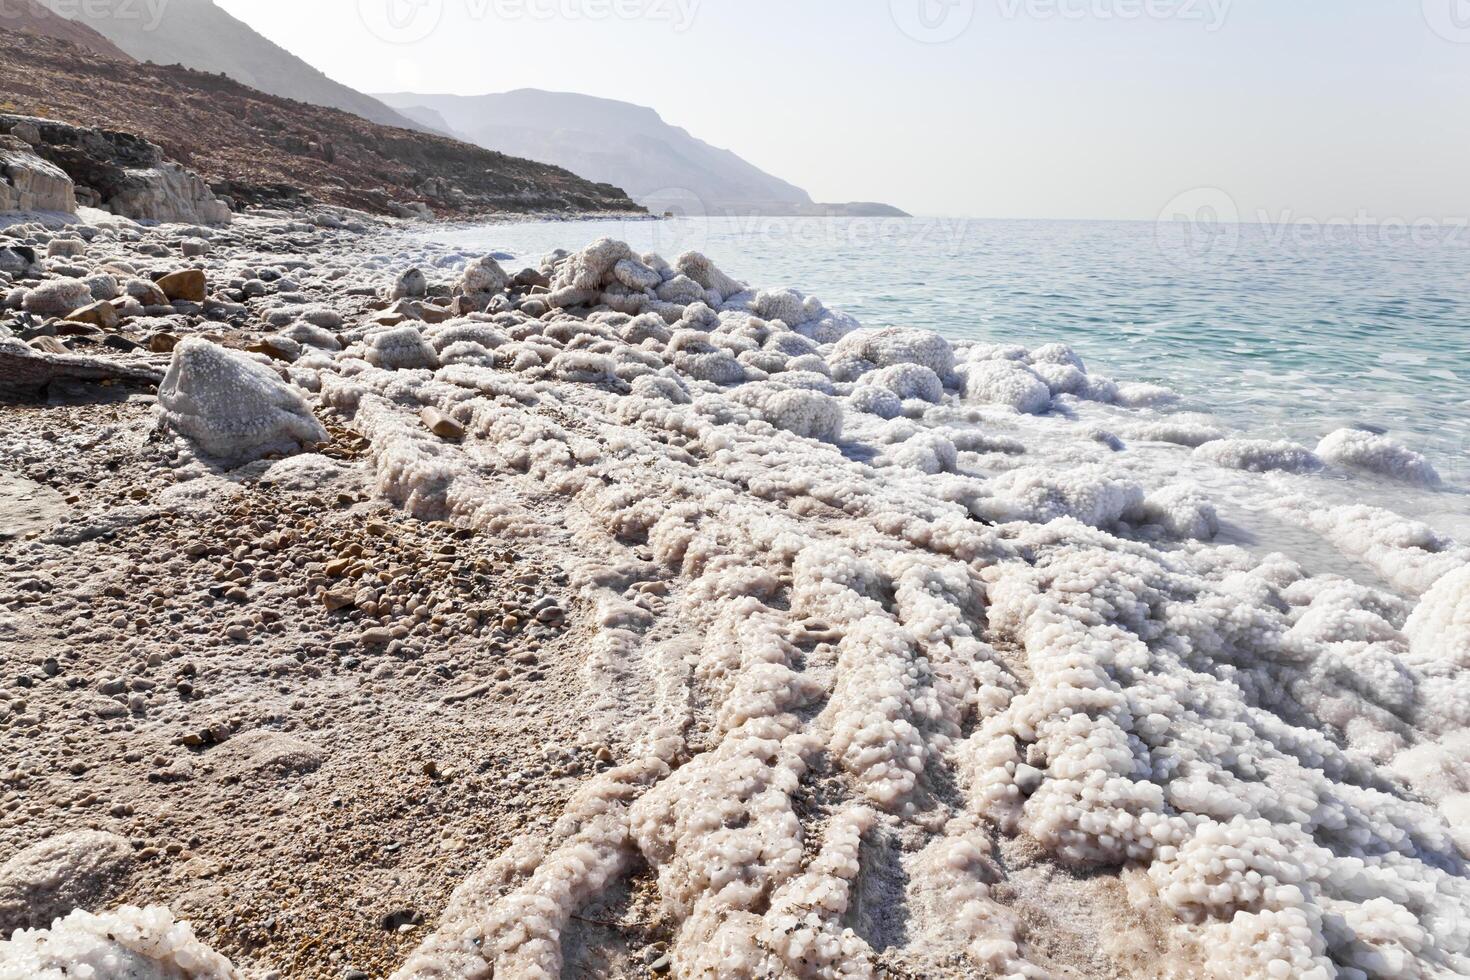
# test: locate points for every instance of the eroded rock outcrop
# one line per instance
(118, 172)
(29, 183)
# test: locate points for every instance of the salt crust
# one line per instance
(129, 944)
(1377, 454)
(945, 656)
(232, 408)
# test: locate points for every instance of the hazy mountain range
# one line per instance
(661, 166)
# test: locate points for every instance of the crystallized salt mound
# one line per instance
(1377, 454)
(1180, 432)
(908, 381)
(397, 348)
(305, 472)
(49, 879)
(129, 944)
(898, 345)
(233, 408)
(483, 277)
(1409, 554)
(57, 297)
(850, 679)
(1089, 494)
(1182, 511)
(1004, 382)
(1141, 395)
(1439, 629)
(1259, 455)
(798, 410)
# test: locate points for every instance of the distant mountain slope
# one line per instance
(661, 166)
(197, 34)
(33, 18)
(260, 148)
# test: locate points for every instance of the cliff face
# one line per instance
(260, 148)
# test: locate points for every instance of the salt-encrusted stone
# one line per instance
(1377, 454)
(233, 408)
(57, 297)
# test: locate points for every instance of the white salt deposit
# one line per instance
(129, 944)
(1377, 454)
(233, 408)
(917, 605)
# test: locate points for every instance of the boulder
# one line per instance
(186, 284)
(168, 192)
(99, 314)
(29, 183)
(16, 260)
(232, 407)
(57, 297)
(413, 284)
(484, 277)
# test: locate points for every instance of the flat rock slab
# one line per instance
(27, 507)
(82, 869)
(265, 754)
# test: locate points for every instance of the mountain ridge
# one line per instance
(201, 35)
(259, 148)
(662, 166)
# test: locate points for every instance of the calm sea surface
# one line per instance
(1278, 331)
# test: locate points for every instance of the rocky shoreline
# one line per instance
(386, 612)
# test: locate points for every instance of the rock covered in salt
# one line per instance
(232, 408)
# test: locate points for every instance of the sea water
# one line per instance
(1280, 332)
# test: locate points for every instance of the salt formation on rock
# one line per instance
(871, 664)
(129, 944)
(1259, 455)
(1377, 454)
(232, 408)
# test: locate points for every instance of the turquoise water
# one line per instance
(1279, 333)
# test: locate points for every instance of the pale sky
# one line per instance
(1325, 109)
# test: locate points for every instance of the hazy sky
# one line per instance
(1329, 109)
